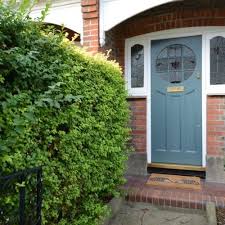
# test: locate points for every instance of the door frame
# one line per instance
(177, 33)
(194, 163)
(146, 39)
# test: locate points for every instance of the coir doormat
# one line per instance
(174, 181)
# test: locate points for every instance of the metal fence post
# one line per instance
(39, 195)
(22, 193)
(8, 186)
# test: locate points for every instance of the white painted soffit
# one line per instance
(116, 11)
(67, 13)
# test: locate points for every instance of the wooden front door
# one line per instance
(176, 101)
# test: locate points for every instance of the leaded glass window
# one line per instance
(137, 66)
(217, 60)
(176, 63)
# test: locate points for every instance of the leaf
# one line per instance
(23, 184)
(19, 129)
(44, 12)
(49, 100)
(12, 3)
(7, 158)
(56, 104)
(71, 97)
(29, 116)
(19, 121)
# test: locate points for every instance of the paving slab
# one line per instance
(147, 214)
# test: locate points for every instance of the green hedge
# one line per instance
(66, 111)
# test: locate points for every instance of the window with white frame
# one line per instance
(135, 73)
(138, 58)
(137, 66)
(216, 63)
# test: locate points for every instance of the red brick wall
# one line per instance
(170, 16)
(138, 123)
(216, 125)
(90, 11)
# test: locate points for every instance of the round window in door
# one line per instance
(176, 63)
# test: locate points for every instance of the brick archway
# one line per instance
(171, 16)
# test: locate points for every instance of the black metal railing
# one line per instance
(21, 197)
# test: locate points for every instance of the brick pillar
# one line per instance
(90, 11)
(138, 123)
(215, 139)
(216, 125)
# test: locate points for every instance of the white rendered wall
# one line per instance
(112, 12)
(67, 13)
(116, 11)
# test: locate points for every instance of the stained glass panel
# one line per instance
(162, 64)
(137, 66)
(217, 61)
(176, 63)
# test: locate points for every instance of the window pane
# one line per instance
(217, 61)
(175, 77)
(176, 63)
(175, 50)
(162, 64)
(137, 66)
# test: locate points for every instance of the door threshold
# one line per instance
(176, 167)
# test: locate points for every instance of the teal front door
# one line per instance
(176, 106)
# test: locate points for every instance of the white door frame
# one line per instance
(178, 34)
(173, 33)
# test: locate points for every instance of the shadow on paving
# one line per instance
(147, 214)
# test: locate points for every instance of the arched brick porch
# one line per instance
(170, 16)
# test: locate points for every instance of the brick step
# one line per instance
(138, 191)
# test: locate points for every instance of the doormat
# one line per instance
(167, 180)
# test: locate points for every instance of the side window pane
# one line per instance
(217, 60)
(137, 66)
